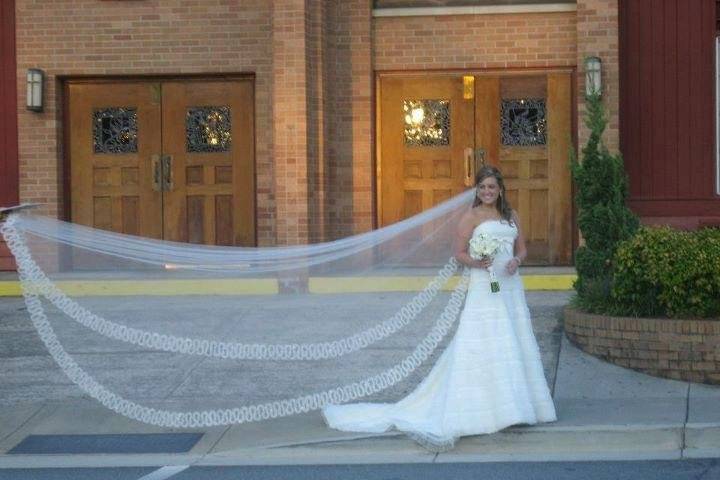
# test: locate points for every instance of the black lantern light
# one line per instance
(593, 76)
(35, 84)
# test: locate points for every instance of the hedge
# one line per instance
(669, 273)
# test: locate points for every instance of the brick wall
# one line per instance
(455, 3)
(90, 37)
(475, 41)
(597, 35)
(314, 62)
(679, 349)
(313, 94)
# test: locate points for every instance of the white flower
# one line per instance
(482, 245)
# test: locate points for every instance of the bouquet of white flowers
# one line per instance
(482, 245)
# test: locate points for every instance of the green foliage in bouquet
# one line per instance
(662, 272)
(603, 218)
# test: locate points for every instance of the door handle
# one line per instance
(468, 163)
(474, 160)
(156, 172)
(479, 159)
(167, 173)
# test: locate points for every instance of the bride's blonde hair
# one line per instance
(502, 205)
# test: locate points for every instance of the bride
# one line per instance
(490, 376)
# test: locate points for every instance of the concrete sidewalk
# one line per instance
(604, 412)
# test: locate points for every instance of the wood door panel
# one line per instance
(223, 220)
(524, 87)
(195, 222)
(440, 196)
(106, 189)
(530, 171)
(212, 199)
(514, 161)
(413, 202)
(425, 185)
(538, 168)
(538, 215)
(537, 177)
(559, 143)
(102, 212)
(213, 196)
(487, 118)
(415, 178)
(130, 214)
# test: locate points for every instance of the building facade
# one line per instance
(252, 122)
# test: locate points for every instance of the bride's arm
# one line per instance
(462, 237)
(520, 250)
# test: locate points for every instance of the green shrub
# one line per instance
(666, 272)
(603, 217)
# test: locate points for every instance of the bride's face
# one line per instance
(488, 191)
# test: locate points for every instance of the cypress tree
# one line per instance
(603, 218)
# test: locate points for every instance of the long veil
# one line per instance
(183, 335)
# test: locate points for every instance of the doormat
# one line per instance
(123, 443)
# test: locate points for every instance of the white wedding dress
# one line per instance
(489, 377)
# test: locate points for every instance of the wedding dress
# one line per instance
(489, 377)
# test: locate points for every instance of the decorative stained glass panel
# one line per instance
(208, 129)
(523, 122)
(427, 122)
(115, 130)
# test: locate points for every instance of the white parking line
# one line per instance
(164, 472)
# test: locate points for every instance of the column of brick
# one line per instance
(316, 34)
(290, 120)
(361, 91)
(349, 73)
(597, 35)
(338, 143)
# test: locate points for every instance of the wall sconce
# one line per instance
(35, 83)
(593, 76)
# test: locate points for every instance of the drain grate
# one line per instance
(130, 443)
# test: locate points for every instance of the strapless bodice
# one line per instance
(503, 230)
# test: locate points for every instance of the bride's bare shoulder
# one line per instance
(467, 221)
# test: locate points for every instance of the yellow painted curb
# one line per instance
(414, 284)
(10, 289)
(269, 286)
(156, 287)
(549, 282)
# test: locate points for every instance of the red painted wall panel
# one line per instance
(8, 107)
(9, 181)
(667, 106)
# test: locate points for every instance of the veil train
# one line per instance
(182, 335)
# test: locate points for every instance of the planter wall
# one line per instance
(678, 349)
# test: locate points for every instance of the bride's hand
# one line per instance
(512, 266)
(483, 262)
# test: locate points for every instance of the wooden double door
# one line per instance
(437, 130)
(164, 159)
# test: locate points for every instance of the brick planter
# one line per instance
(671, 348)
